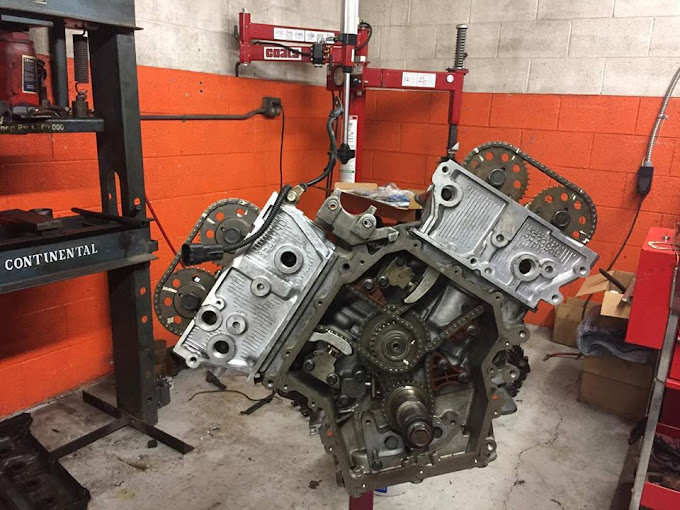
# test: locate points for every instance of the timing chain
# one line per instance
(178, 256)
(452, 328)
(546, 170)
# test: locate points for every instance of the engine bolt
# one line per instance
(376, 465)
(400, 261)
(368, 284)
(360, 376)
(384, 281)
(472, 330)
(332, 379)
(343, 400)
(309, 365)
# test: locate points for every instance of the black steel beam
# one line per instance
(91, 437)
(29, 261)
(109, 12)
(116, 100)
(14, 127)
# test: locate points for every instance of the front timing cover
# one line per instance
(400, 341)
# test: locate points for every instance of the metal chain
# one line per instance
(172, 327)
(546, 170)
(454, 327)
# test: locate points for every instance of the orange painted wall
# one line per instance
(57, 337)
(596, 141)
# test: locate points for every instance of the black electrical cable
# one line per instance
(370, 35)
(285, 47)
(283, 131)
(332, 153)
(630, 231)
(247, 397)
(188, 255)
(618, 253)
(271, 214)
(329, 179)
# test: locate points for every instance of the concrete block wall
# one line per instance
(197, 35)
(617, 47)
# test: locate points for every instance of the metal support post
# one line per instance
(114, 87)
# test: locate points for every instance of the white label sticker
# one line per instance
(289, 34)
(313, 36)
(276, 53)
(352, 134)
(423, 80)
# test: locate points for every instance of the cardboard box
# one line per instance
(612, 299)
(357, 204)
(616, 386)
(567, 318)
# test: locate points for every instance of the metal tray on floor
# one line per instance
(30, 477)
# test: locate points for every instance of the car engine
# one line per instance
(400, 342)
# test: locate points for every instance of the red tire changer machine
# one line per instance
(349, 73)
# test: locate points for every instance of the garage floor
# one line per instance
(553, 453)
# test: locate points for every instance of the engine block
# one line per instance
(401, 342)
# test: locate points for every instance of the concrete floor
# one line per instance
(553, 453)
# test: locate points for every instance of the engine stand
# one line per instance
(363, 502)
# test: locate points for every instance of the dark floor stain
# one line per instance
(313, 484)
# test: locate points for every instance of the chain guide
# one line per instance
(229, 208)
(181, 298)
(503, 169)
(564, 209)
(588, 232)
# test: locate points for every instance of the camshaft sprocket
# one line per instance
(228, 224)
(565, 210)
(501, 168)
(182, 296)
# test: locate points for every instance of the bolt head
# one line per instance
(309, 365)
(332, 379)
(369, 284)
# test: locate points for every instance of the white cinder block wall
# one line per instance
(198, 35)
(626, 47)
(618, 47)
